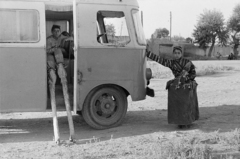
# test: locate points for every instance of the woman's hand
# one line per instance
(69, 39)
(184, 73)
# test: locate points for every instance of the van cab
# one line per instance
(108, 61)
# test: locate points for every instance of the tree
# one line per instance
(210, 29)
(189, 40)
(110, 29)
(202, 37)
(160, 33)
(223, 36)
(234, 27)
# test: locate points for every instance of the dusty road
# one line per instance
(29, 135)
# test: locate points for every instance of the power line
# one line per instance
(170, 25)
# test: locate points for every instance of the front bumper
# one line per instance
(150, 92)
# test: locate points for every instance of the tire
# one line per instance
(105, 107)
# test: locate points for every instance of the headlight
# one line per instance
(148, 74)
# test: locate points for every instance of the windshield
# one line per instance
(138, 27)
(112, 28)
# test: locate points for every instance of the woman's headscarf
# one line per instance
(177, 47)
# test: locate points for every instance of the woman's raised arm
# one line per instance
(159, 59)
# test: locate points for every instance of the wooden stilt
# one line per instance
(68, 109)
(52, 81)
(62, 75)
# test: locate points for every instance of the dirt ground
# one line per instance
(29, 135)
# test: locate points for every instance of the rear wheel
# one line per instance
(105, 107)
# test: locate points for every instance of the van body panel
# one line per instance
(111, 66)
(98, 64)
(23, 79)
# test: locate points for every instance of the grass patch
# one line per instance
(203, 145)
(175, 145)
(190, 144)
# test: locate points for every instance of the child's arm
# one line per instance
(159, 59)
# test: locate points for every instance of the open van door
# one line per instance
(23, 77)
(75, 82)
(102, 71)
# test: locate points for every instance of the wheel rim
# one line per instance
(105, 108)
(106, 105)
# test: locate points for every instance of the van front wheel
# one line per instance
(105, 107)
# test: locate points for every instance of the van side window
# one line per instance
(112, 28)
(19, 26)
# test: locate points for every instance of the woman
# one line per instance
(182, 96)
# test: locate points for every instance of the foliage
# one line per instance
(234, 27)
(210, 29)
(189, 40)
(178, 38)
(160, 33)
(110, 29)
(223, 36)
(202, 37)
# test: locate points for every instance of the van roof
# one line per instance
(66, 5)
(114, 2)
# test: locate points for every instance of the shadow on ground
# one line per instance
(223, 118)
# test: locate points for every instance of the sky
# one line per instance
(185, 13)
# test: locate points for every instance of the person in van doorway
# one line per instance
(55, 62)
(68, 55)
(55, 51)
(182, 95)
(68, 45)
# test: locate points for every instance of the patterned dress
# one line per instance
(182, 90)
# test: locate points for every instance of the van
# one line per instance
(109, 61)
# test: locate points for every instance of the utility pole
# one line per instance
(170, 25)
(142, 17)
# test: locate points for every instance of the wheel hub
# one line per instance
(107, 105)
